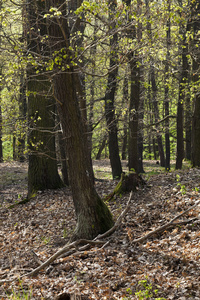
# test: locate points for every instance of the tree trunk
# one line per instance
(125, 129)
(195, 12)
(156, 115)
(133, 115)
(166, 104)
(22, 111)
(154, 96)
(179, 130)
(141, 99)
(101, 147)
(42, 169)
(93, 216)
(1, 144)
(110, 98)
(183, 87)
(63, 158)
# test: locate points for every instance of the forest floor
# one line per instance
(165, 266)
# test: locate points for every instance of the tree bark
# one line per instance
(93, 216)
(195, 13)
(156, 115)
(101, 147)
(42, 169)
(1, 144)
(125, 129)
(23, 114)
(133, 115)
(166, 104)
(154, 96)
(110, 99)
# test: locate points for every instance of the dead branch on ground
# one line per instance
(97, 240)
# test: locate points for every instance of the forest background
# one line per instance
(80, 80)
(138, 67)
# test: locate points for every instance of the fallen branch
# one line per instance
(95, 241)
(60, 252)
(164, 227)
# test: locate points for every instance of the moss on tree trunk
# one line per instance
(127, 183)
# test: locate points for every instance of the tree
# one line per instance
(93, 216)
(42, 169)
(166, 104)
(135, 137)
(195, 19)
(183, 81)
(1, 145)
(1, 120)
(22, 118)
(110, 97)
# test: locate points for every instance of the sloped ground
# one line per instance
(168, 262)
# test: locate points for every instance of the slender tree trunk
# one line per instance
(110, 98)
(1, 144)
(125, 129)
(156, 115)
(101, 147)
(179, 130)
(23, 112)
(154, 96)
(133, 115)
(93, 216)
(195, 13)
(141, 99)
(166, 104)
(183, 85)
(63, 158)
(1, 118)
(93, 50)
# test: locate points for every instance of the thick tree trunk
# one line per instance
(93, 216)
(42, 170)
